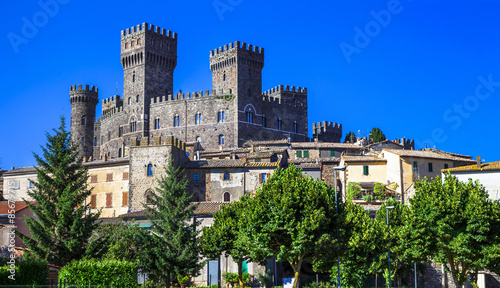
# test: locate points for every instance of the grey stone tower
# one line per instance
(148, 56)
(83, 103)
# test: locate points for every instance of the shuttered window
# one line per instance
(125, 175)
(109, 200)
(93, 200)
(125, 199)
(299, 154)
(365, 170)
(306, 154)
(93, 179)
(109, 177)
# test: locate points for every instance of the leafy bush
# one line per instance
(368, 198)
(231, 277)
(353, 190)
(321, 284)
(27, 272)
(379, 191)
(100, 273)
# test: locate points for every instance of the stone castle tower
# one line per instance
(83, 103)
(235, 111)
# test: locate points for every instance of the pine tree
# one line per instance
(376, 135)
(171, 249)
(350, 137)
(61, 228)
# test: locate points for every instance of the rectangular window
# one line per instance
(109, 177)
(445, 166)
(415, 166)
(120, 131)
(227, 176)
(430, 167)
(93, 179)
(299, 154)
(306, 154)
(263, 121)
(125, 199)
(93, 200)
(125, 175)
(196, 177)
(365, 170)
(332, 153)
(263, 177)
(109, 200)
(30, 184)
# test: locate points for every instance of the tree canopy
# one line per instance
(63, 225)
(376, 135)
(350, 137)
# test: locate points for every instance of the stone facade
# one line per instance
(327, 132)
(234, 111)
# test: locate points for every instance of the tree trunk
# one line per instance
(240, 274)
(168, 279)
(296, 265)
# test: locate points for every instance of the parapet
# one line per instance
(287, 88)
(406, 143)
(180, 96)
(326, 125)
(150, 28)
(327, 131)
(239, 46)
(78, 93)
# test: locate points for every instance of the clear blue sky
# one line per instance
(421, 69)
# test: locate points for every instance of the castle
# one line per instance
(233, 112)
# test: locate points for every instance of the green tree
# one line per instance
(376, 135)
(289, 217)
(62, 228)
(455, 224)
(350, 137)
(225, 236)
(353, 190)
(393, 237)
(171, 247)
(379, 191)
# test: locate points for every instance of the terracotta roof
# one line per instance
(427, 154)
(484, 167)
(110, 161)
(20, 170)
(363, 158)
(266, 142)
(19, 205)
(227, 163)
(263, 164)
(449, 153)
(202, 208)
(316, 145)
(306, 165)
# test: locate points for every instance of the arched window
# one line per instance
(129, 100)
(196, 177)
(294, 126)
(221, 116)
(133, 126)
(177, 121)
(119, 152)
(133, 77)
(221, 139)
(157, 123)
(227, 197)
(197, 119)
(198, 139)
(224, 77)
(148, 196)
(83, 119)
(150, 169)
(137, 98)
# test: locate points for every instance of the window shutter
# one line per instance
(299, 154)
(306, 154)
(332, 153)
(260, 177)
(125, 199)
(109, 177)
(93, 199)
(125, 175)
(108, 200)
(365, 170)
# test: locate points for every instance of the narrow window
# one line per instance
(278, 126)
(157, 123)
(150, 169)
(227, 197)
(83, 120)
(129, 100)
(137, 98)
(109, 177)
(148, 197)
(221, 116)
(224, 77)
(126, 45)
(133, 77)
(119, 152)
(294, 126)
(227, 176)
(365, 170)
(198, 139)
(263, 120)
(249, 117)
(138, 42)
(299, 154)
(221, 139)
(249, 93)
(120, 131)
(332, 153)
(263, 177)
(133, 126)
(109, 135)
(197, 119)
(109, 200)
(196, 177)
(415, 166)
(95, 141)
(125, 199)
(125, 176)
(83, 141)
(306, 154)
(93, 200)
(445, 166)
(430, 167)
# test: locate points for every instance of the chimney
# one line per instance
(104, 158)
(84, 159)
(478, 159)
(251, 149)
(12, 168)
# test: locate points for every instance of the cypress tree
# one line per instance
(171, 249)
(61, 228)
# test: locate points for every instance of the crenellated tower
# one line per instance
(148, 58)
(83, 104)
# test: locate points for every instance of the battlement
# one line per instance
(111, 103)
(182, 96)
(327, 131)
(238, 46)
(148, 28)
(111, 112)
(158, 141)
(406, 143)
(325, 126)
(287, 88)
(78, 93)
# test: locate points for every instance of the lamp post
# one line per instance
(337, 213)
(389, 251)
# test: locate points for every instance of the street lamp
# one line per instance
(337, 213)
(389, 251)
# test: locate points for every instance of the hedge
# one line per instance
(27, 272)
(100, 273)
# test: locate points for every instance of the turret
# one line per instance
(83, 104)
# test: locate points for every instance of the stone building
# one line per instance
(235, 110)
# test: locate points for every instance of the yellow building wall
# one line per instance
(377, 172)
(117, 187)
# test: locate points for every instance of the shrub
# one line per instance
(368, 198)
(379, 191)
(353, 190)
(100, 273)
(27, 272)
(231, 277)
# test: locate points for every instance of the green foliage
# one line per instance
(171, 247)
(353, 191)
(379, 191)
(182, 279)
(62, 226)
(320, 284)
(291, 216)
(456, 224)
(350, 137)
(27, 272)
(100, 273)
(226, 97)
(368, 198)
(376, 135)
(233, 278)
(226, 235)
